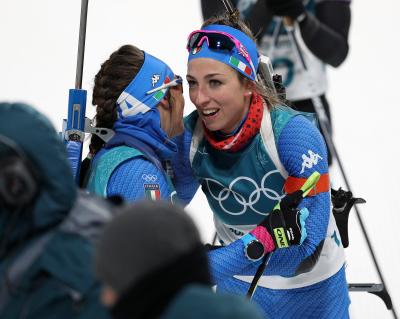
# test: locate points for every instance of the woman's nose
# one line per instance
(202, 97)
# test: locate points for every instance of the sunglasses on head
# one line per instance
(217, 40)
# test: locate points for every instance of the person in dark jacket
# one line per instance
(153, 265)
(47, 228)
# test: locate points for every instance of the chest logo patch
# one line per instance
(243, 201)
(152, 191)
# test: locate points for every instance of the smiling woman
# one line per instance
(246, 148)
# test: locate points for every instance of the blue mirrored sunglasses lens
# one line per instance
(216, 41)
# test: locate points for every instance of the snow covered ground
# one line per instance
(38, 62)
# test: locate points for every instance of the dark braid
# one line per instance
(114, 76)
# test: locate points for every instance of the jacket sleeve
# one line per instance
(326, 32)
(302, 151)
(136, 179)
(185, 183)
(230, 260)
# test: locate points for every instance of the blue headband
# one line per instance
(232, 58)
(136, 97)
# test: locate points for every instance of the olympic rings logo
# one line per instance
(149, 177)
(252, 198)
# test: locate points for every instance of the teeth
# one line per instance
(209, 111)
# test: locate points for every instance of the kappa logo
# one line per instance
(309, 161)
(154, 79)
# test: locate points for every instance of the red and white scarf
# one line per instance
(249, 129)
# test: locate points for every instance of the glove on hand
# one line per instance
(284, 226)
(286, 8)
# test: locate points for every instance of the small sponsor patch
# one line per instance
(152, 191)
(280, 237)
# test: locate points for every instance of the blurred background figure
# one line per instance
(47, 228)
(321, 29)
(153, 265)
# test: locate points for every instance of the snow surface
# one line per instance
(38, 63)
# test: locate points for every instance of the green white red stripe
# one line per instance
(152, 191)
(240, 65)
(159, 94)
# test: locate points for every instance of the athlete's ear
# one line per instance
(249, 88)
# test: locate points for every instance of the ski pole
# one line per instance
(325, 127)
(308, 185)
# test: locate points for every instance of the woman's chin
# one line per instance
(212, 126)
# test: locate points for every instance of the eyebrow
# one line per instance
(207, 76)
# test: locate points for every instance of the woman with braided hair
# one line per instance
(140, 98)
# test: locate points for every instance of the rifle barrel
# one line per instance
(81, 44)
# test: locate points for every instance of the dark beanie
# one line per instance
(143, 238)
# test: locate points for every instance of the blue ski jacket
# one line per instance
(243, 187)
(130, 165)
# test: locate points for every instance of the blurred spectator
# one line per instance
(153, 265)
(46, 227)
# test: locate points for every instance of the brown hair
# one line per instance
(234, 21)
(113, 77)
